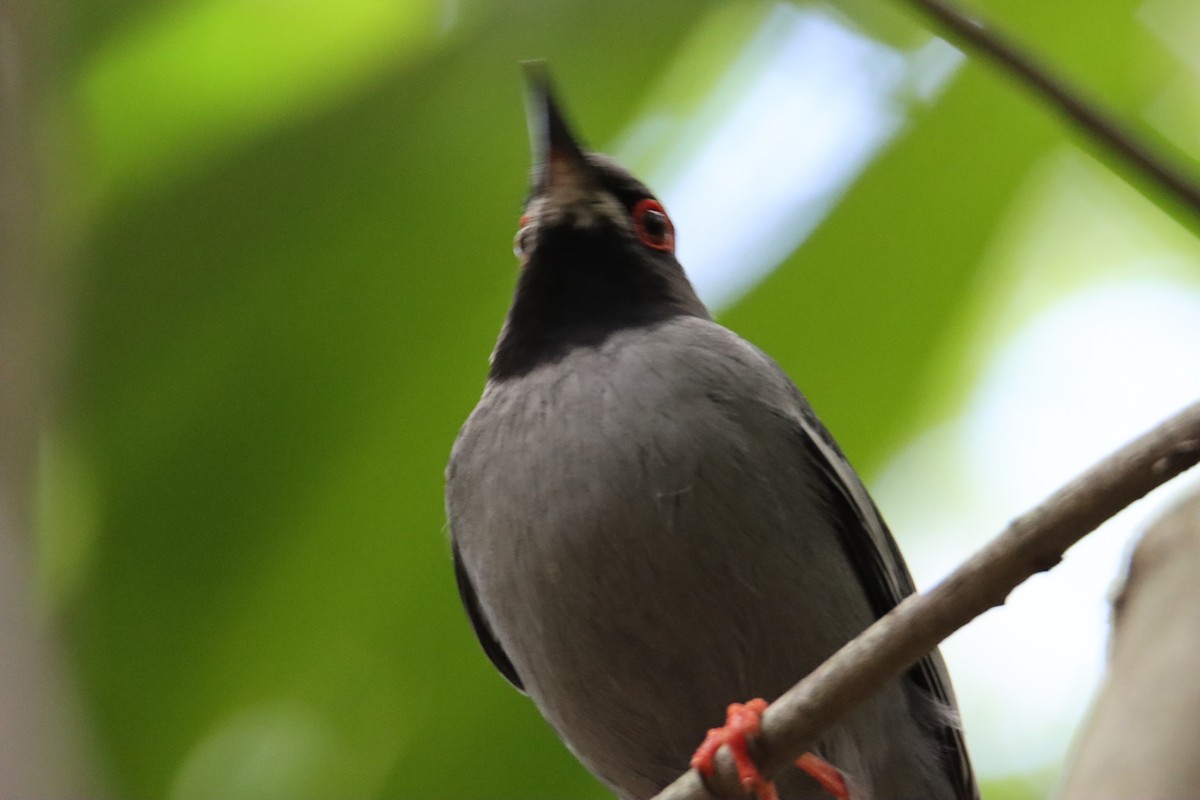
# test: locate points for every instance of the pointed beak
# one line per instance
(560, 166)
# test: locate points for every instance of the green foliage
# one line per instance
(297, 220)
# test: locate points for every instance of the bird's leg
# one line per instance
(743, 721)
(826, 774)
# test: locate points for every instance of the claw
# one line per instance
(743, 721)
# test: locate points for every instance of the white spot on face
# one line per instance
(578, 206)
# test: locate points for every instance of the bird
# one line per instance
(647, 520)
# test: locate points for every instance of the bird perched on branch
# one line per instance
(649, 522)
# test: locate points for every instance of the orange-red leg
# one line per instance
(826, 774)
(742, 722)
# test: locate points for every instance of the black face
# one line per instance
(595, 259)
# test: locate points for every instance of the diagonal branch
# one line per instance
(1032, 543)
(1093, 121)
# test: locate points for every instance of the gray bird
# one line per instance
(649, 522)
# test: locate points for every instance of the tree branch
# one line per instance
(1032, 543)
(1085, 114)
(43, 750)
(1141, 736)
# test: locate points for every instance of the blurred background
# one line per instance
(254, 255)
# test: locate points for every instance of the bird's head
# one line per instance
(596, 249)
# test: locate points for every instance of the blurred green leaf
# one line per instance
(184, 82)
(859, 312)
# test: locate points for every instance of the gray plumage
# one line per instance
(649, 523)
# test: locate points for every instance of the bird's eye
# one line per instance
(523, 241)
(653, 226)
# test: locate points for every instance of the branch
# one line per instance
(1141, 737)
(1032, 543)
(1086, 115)
(43, 747)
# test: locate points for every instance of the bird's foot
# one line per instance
(742, 722)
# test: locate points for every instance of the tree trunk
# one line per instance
(1142, 738)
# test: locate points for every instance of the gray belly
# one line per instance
(642, 574)
(648, 543)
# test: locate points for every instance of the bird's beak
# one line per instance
(560, 167)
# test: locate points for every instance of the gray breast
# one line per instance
(648, 543)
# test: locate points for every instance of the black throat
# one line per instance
(580, 286)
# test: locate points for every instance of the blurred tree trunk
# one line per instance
(1142, 738)
(40, 752)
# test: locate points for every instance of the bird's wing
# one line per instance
(880, 567)
(484, 633)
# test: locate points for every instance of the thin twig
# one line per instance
(1032, 543)
(1087, 115)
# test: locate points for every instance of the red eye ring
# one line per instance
(653, 226)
